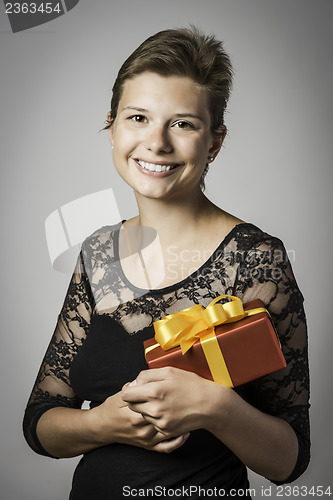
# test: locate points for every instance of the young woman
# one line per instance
(168, 427)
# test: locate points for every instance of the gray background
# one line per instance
(275, 171)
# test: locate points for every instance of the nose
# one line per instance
(158, 140)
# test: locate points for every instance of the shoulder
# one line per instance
(249, 238)
(261, 254)
(263, 258)
(101, 244)
(102, 235)
(265, 272)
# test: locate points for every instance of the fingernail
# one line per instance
(134, 382)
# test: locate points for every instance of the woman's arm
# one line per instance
(54, 423)
(52, 389)
(266, 444)
(176, 401)
(67, 432)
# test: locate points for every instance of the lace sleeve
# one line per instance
(265, 273)
(52, 387)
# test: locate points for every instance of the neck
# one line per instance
(174, 220)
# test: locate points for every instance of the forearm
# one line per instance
(264, 443)
(66, 432)
(177, 401)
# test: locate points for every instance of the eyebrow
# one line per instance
(189, 115)
(135, 108)
(178, 115)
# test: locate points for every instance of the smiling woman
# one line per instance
(170, 428)
(162, 137)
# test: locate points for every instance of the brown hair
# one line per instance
(184, 52)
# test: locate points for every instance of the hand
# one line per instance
(173, 401)
(115, 422)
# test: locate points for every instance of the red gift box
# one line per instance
(248, 348)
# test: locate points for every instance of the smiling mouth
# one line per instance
(153, 167)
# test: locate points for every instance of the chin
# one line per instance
(153, 195)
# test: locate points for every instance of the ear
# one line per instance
(110, 128)
(218, 138)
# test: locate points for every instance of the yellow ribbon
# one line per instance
(186, 327)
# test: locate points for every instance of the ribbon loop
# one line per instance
(234, 311)
(184, 328)
(215, 315)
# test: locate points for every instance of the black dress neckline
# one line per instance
(170, 288)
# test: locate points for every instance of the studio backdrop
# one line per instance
(275, 170)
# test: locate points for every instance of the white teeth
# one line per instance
(153, 167)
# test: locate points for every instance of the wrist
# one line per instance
(94, 427)
(218, 404)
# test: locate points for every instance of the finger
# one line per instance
(148, 411)
(141, 393)
(170, 445)
(126, 385)
(147, 435)
(156, 374)
(136, 419)
(143, 387)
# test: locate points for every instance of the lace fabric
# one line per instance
(248, 263)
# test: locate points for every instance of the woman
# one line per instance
(168, 427)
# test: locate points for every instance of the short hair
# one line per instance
(183, 52)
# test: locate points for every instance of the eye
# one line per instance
(138, 118)
(184, 125)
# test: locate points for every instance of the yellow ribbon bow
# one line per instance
(186, 327)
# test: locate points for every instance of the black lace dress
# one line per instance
(97, 347)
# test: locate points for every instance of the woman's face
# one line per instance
(161, 136)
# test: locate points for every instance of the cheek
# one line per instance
(197, 146)
(123, 145)
(196, 152)
(120, 161)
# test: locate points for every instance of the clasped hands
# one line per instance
(167, 403)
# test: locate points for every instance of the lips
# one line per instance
(156, 168)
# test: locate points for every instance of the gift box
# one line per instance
(231, 343)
